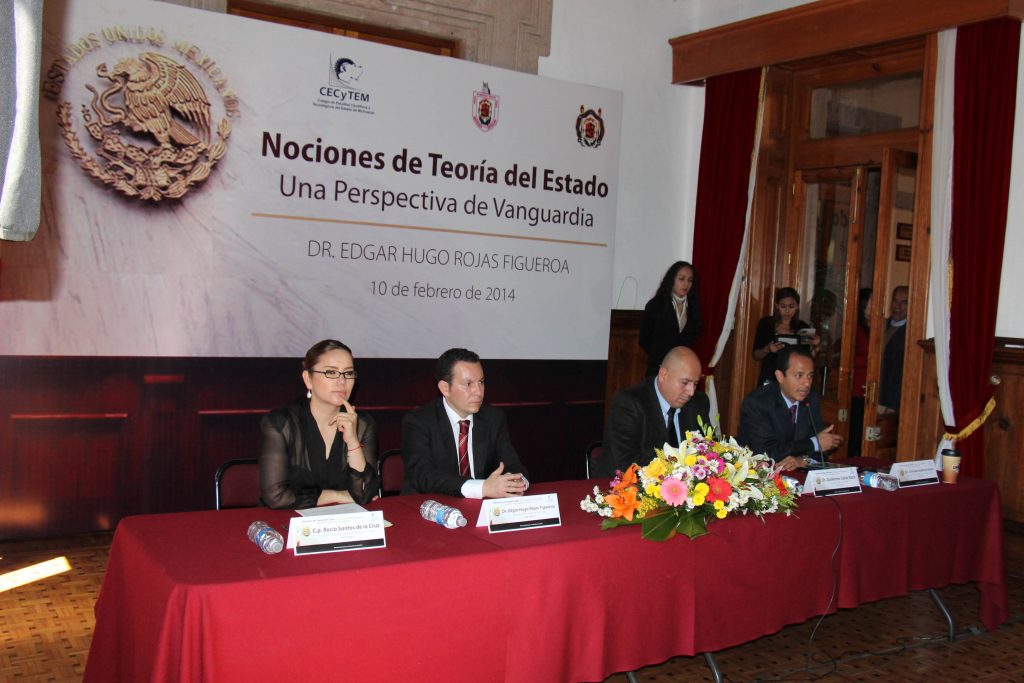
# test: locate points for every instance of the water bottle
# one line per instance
(266, 537)
(880, 480)
(444, 515)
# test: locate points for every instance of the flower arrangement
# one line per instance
(682, 489)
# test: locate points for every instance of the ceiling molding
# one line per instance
(822, 28)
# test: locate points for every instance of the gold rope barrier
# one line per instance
(977, 422)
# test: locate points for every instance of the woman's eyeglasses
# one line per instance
(337, 374)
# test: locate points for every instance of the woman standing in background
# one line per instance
(783, 322)
(672, 316)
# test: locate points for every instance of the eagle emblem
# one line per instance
(151, 127)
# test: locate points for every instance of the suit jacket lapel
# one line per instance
(480, 447)
(656, 419)
(782, 414)
(451, 450)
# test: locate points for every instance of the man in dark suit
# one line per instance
(659, 410)
(781, 420)
(457, 445)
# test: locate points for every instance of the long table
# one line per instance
(187, 597)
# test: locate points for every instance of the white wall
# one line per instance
(624, 45)
(1010, 322)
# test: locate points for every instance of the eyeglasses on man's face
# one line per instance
(337, 374)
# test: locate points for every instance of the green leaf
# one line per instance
(660, 525)
(692, 524)
(612, 522)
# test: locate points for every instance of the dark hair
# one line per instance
(780, 294)
(784, 354)
(447, 361)
(863, 297)
(319, 349)
(693, 296)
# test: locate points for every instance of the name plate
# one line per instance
(336, 533)
(915, 473)
(514, 514)
(832, 482)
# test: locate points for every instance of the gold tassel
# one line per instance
(971, 428)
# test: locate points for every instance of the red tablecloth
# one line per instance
(188, 597)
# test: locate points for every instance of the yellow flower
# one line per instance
(653, 488)
(655, 469)
(701, 489)
(690, 460)
(719, 504)
(721, 514)
(646, 505)
(698, 499)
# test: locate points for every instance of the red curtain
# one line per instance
(730, 118)
(985, 92)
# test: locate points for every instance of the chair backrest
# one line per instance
(391, 468)
(237, 484)
(591, 455)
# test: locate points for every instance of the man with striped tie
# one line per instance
(457, 445)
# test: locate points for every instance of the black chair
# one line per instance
(391, 470)
(591, 455)
(237, 484)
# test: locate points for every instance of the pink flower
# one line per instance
(674, 492)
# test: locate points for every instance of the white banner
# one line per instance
(217, 186)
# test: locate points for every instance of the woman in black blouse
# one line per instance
(783, 322)
(672, 316)
(318, 450)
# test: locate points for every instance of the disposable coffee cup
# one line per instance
(950, 465)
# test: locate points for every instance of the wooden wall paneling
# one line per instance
(171, 467)
(1004, 430)
(584, 425)
(822, 28)
(929, 426)
(627, 362)
(63, 472)
(388, 419)
(85, 441)
(536, 427)
(223, 435)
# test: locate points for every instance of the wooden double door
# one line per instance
(855, 251)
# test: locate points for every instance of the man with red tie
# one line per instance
(457, 445)
(783, 420)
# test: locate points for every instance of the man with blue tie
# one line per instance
(782, 420)
(659, 410)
